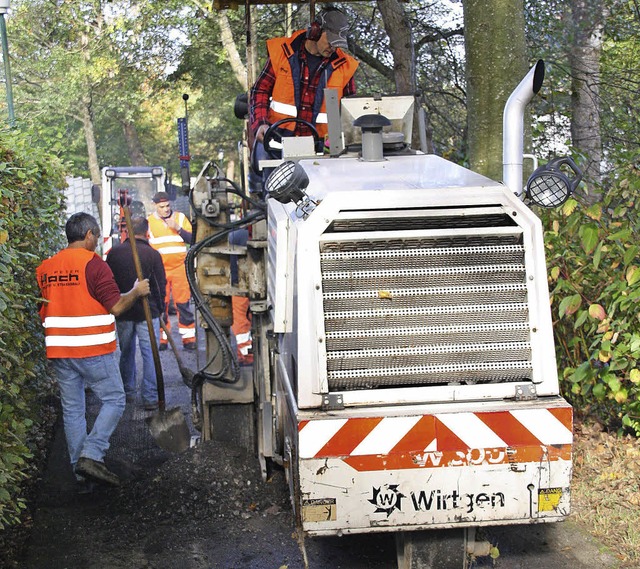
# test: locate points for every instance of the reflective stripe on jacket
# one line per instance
(167, 241)
(76, 324)
(286, 66)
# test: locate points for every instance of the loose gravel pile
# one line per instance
(205, 508)
(212, 481)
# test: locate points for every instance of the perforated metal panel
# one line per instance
(426, 300)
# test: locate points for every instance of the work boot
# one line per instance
(190, 347)
(96, 470)
(163, 347)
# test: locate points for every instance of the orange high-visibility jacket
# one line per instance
(287, 71)
(76, 324)
(167, 241)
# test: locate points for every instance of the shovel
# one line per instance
(186, 373)
(167, 427)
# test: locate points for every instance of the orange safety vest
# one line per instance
(283, 103)
(76, 324)
(167, 241)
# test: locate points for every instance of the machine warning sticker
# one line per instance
(548, 499)
(319, 510)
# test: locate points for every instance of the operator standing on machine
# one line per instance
(291, 85)
(299, 68)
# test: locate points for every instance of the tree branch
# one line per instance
(438, 35)
(372, 62)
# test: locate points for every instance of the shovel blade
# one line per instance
(170, 430)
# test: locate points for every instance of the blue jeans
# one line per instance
(127, 333)
(100, 374)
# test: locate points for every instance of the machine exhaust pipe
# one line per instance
(513, 127)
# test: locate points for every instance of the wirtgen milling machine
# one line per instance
(404, 372)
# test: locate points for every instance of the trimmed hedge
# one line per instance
(31, 218)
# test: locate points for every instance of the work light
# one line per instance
(287, 183)
(549, 185)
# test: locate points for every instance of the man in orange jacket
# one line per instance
(82, 300)
(292, 82)
(170, 234)
(291, 85)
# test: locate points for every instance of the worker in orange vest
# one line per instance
(291, 85)
(292, 82)
(170, 234)
(241, 327)
(82, 300)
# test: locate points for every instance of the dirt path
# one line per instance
(208, 508)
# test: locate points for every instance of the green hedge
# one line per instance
(31, 217)
(593, 256)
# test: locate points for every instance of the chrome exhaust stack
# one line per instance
(513, 127)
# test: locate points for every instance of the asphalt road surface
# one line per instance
(208, 508)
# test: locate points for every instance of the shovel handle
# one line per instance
(147, 311)
(172, 343)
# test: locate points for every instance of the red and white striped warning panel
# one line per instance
(447, 439)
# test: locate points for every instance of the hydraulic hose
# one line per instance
(230, 369)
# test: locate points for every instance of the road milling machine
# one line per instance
(404, 369)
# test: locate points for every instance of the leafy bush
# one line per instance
(594, 273)
(30, 220)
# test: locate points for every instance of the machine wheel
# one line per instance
(272, 134)
(432, 549)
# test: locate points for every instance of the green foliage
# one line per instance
(594, 268)
(206, 76)
(102, 63)
(30, 219)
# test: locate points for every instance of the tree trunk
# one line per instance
(496, 62)
(229, 45)
(586, 24)
(134, 148)
(252, 46)
(90, 139)
(401, 44)
(402, 48)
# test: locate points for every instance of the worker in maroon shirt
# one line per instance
(292, 82)
(81, 301)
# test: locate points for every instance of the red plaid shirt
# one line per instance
(261, 92)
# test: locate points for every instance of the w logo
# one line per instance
(387, 498)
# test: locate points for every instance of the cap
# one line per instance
(335, 23)
(161, 197)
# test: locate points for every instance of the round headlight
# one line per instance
(550, 186)
(287, 183)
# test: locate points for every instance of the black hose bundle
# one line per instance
(229, 358)
(229, 371)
